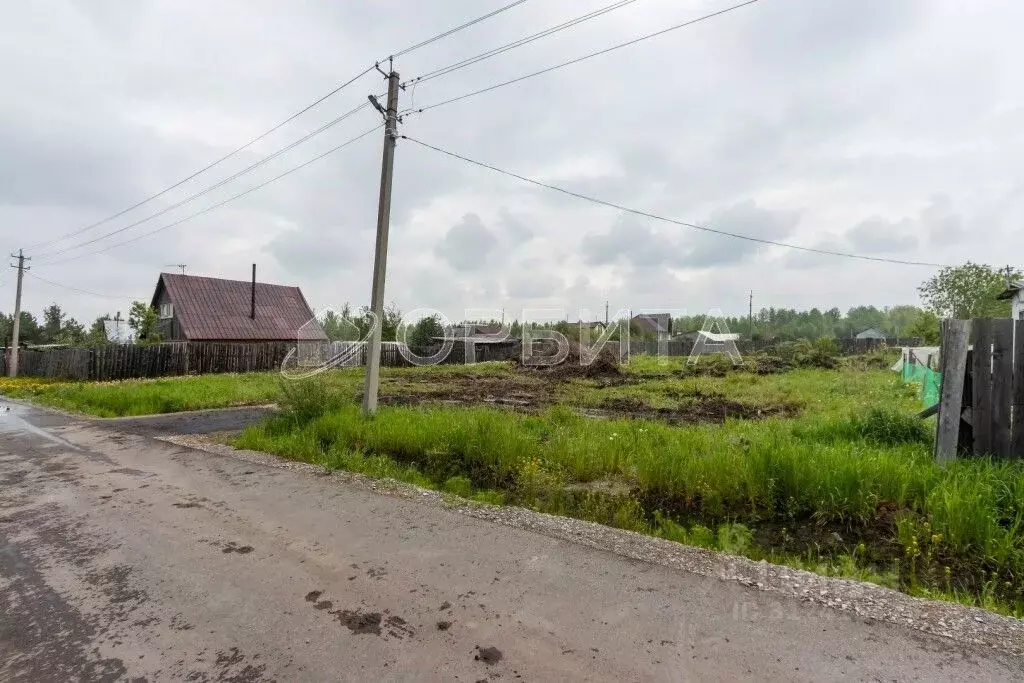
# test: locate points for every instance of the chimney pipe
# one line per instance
(252, 310)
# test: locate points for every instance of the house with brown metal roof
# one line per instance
(193, 308)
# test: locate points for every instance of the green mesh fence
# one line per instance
(928, 379)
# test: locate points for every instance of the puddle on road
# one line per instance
(12, 421)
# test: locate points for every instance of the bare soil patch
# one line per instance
(533, 390)
(702, 408)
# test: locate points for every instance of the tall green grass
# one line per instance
(860, 473)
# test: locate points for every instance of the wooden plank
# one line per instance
(955, 335)
(981, 405)
(1002, 386)
(1017, 437)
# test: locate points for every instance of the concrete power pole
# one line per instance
(380, 256)
(12, 361)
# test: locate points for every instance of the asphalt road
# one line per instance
(127, 558)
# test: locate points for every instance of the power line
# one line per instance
(261, 136)
(227, 156)
(443, 71)
(456, 29)
(654, 216)
(213, 187)
(220, 203)
(76, 289)
(549, 69)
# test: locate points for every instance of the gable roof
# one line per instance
(654, 322)
(1012, 288)
(871, 333)
(211, 308)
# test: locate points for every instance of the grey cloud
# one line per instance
(533, 284)
(634, 242)
(942, 223)
(815, 102)
(319, 253)
(628, 239)
(514, 228)
(745, 218)
(877, 235)
(467, 244)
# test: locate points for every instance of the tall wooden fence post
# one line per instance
(1002, 386)
(981, 404)
(1017, 443)
(955, 335)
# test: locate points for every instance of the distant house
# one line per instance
(193, 308)
(481, 333)
(1015, 293)
(872, 333)
(658, 324)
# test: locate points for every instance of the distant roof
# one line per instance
(1011, 290)
(212, 309)
(655, 322)
(871, 333)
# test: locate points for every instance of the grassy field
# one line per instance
(847, 487)
(825, 469)
(175, 394)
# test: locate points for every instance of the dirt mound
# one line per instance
(605, 364)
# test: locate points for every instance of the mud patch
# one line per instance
(487, 655)
(714, 408)
(233, 547)
(399, 627)
(359, 622)
(313, 596)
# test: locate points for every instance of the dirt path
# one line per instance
(126, 558)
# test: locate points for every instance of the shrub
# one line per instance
(307, 399)
(891, 428)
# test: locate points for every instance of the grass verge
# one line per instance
(843, 490)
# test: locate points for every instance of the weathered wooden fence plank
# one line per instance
(1002, 386)
(1017, 417)
(955, 335)
(981, 405)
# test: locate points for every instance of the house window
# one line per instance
(166, 311)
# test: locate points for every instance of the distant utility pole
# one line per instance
(606, 312)
(1009, 276)
(12, 363)
(183, 266)
(380, 255)
(750, 316)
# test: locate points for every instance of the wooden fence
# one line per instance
(981, 406)
(846, 346)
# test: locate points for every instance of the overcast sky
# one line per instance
(887, 128)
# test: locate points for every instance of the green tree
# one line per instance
(97, 334)
(926, 327)
(967, 291)
(143, 320)
(423, 332)
(28, 333)
(53, 323)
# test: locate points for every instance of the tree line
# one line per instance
(968, 291)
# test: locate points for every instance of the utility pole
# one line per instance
(606, 312)
(12, 361)
(1009, 276)
(750, 316)
(380, 256)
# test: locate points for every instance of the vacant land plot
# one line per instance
(825, 469)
